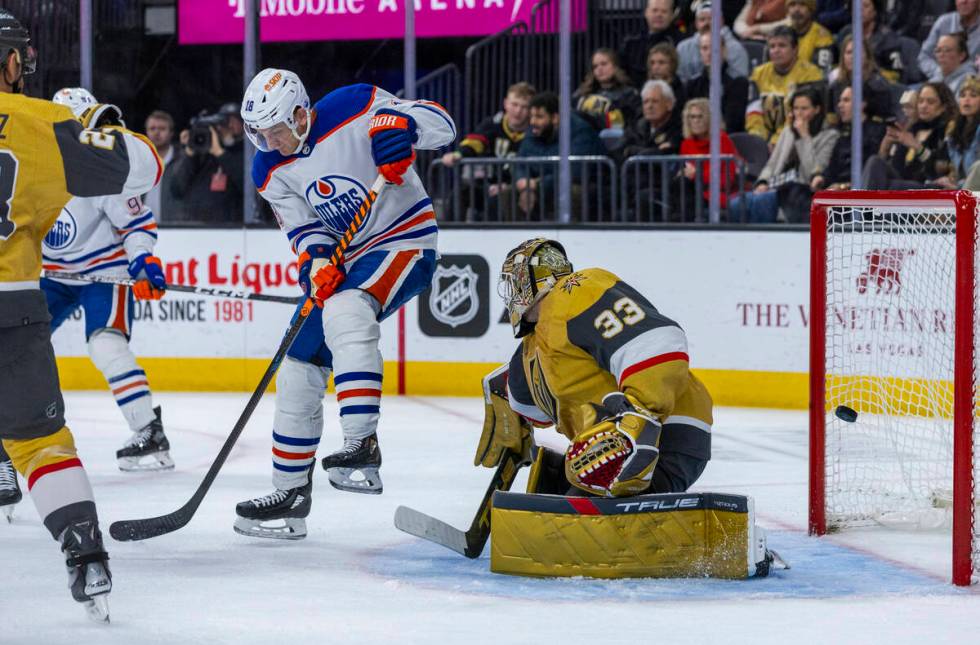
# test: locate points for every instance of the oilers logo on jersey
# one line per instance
(336, 200)
(63, 231)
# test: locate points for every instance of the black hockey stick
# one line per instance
(201, 291)
(129, 530)
(470, 542)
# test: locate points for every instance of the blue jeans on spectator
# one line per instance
(761, 208)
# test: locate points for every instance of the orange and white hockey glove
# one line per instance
(318, 277)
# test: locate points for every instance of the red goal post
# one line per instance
(893, 335)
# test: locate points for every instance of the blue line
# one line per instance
(138, 395)
(116, 379)
(359, 409)
(356, 376)
(294, 441)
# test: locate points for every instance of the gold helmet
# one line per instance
(529, 272)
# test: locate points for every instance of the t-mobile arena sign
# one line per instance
(222, 21)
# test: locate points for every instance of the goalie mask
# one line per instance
(273, 97)
(529, 273)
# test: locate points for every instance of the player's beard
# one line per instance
(547, 133)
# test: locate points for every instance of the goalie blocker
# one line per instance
(676, 535)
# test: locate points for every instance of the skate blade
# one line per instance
(156, 461)
(356, 480)
(98, 608)
(292, 528)
(8, 512)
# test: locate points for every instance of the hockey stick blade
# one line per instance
(470, 542)
(133, 530)
(429, 528)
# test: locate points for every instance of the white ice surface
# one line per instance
(356, 579)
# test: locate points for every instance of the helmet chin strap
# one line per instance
(302, 137)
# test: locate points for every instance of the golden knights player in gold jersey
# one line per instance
(611, 372)
(46, 157)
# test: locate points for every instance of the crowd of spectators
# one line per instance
(786, 118)
(786, 104)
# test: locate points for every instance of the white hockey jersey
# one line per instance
(317, 192)
(99, 235)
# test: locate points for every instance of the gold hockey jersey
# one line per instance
(595, 334)
(767, 114)
(46, 157)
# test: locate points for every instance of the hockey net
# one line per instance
(893, 332)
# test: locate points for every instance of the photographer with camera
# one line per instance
(208, 178)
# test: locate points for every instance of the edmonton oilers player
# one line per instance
(111, 236)
(314, 167)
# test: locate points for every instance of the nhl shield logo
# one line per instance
(458, 299)
(453, 299)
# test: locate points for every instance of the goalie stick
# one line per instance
(130, 530)
(201, 291)
(470, 542)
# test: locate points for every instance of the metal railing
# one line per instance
(645, 189)
(493, 65)
(654, 189)
(522, 189)
(444, 86)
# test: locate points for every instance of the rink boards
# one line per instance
(741, 296)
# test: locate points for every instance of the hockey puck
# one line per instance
(845, 413)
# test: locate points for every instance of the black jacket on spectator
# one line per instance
(633, 53)
(734, 96)
(491, 138)
(643, 139)
(838, 170)
(932, 162)
(886, 47)
(609, 108)
(833, 14)
(908, 18)
(210, 187)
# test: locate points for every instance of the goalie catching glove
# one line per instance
(616, 454)
(318, 277)
(503, 429)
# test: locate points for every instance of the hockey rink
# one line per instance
(356, 579)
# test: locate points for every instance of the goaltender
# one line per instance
(599, 362)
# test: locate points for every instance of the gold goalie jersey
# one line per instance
(46, 157)
(594, 335)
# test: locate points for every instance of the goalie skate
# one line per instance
(355, 467)
(89, 578)
(147, 449)
(279, 515)
(10, 494)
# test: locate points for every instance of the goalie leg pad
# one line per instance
(110, 352)
(298, 422)
(656, 536)
(352, 332)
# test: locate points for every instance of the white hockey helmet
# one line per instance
(271, 98)
(78, 99)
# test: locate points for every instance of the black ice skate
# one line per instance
(88, 568)
(10, 493)
(147, 449)
(278, 515)
(354, 468)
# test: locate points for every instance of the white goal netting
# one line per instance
(890, 325)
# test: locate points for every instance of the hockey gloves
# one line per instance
(616, 454)
(392, 135)
(147, 270)
(503, 429)
(318, 277)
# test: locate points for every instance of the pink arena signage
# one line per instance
(222, 21)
